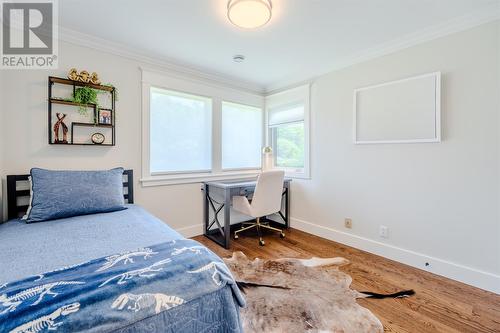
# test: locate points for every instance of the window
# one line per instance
(241, 136)
(287, 136)
(180, 132)
(289, 146)
(288, 130)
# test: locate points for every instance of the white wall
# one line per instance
(498, 138)
(438, 200)
(25, 100)
(2, 142)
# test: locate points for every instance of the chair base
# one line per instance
(258, 225)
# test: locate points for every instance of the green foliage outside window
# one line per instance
(290, 145)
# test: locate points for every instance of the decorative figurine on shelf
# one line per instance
(73, 74)
(60, 118)
(84, 76)
(94, 78)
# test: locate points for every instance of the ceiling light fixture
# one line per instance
(249, 13)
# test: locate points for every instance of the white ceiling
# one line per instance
(305, 38)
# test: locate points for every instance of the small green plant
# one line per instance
(85, 95)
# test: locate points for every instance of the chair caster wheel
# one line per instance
(261, 242)
(282, 235)
(236, 237)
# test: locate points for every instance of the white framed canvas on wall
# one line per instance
(402, 111)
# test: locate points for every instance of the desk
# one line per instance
(218, 197)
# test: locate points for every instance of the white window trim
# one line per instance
(200, 87)
(302, 95)
(185, 178)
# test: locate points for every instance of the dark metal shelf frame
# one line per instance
(57, 80)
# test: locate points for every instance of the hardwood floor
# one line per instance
(440, 304)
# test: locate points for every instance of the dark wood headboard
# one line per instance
(17, 209)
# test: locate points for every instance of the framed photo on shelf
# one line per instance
(105, 117)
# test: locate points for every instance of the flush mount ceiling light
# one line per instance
(249, 13)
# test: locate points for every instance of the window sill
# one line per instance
(178, 179)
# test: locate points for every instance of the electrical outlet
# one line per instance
(348, 223)
(383, 231)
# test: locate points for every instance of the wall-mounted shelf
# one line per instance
(65, 102)
(93, 122)
(90, 124)
(60, 80)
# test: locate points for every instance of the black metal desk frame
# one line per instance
(222, 234)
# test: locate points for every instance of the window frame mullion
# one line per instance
(216, 135)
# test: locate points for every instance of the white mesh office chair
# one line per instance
(266, 200)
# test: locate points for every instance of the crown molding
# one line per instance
(162, 63)
(476, 18)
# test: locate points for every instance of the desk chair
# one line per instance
(266, 200)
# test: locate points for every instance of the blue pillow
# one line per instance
(59, 194)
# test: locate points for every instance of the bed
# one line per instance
(78, 248)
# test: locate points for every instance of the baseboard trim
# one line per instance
(191, 231)
(468, 275)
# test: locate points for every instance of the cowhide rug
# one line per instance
(308, 296)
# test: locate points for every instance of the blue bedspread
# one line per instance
(148, 289)
(31, 249)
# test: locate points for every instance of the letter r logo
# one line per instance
(28, 28)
